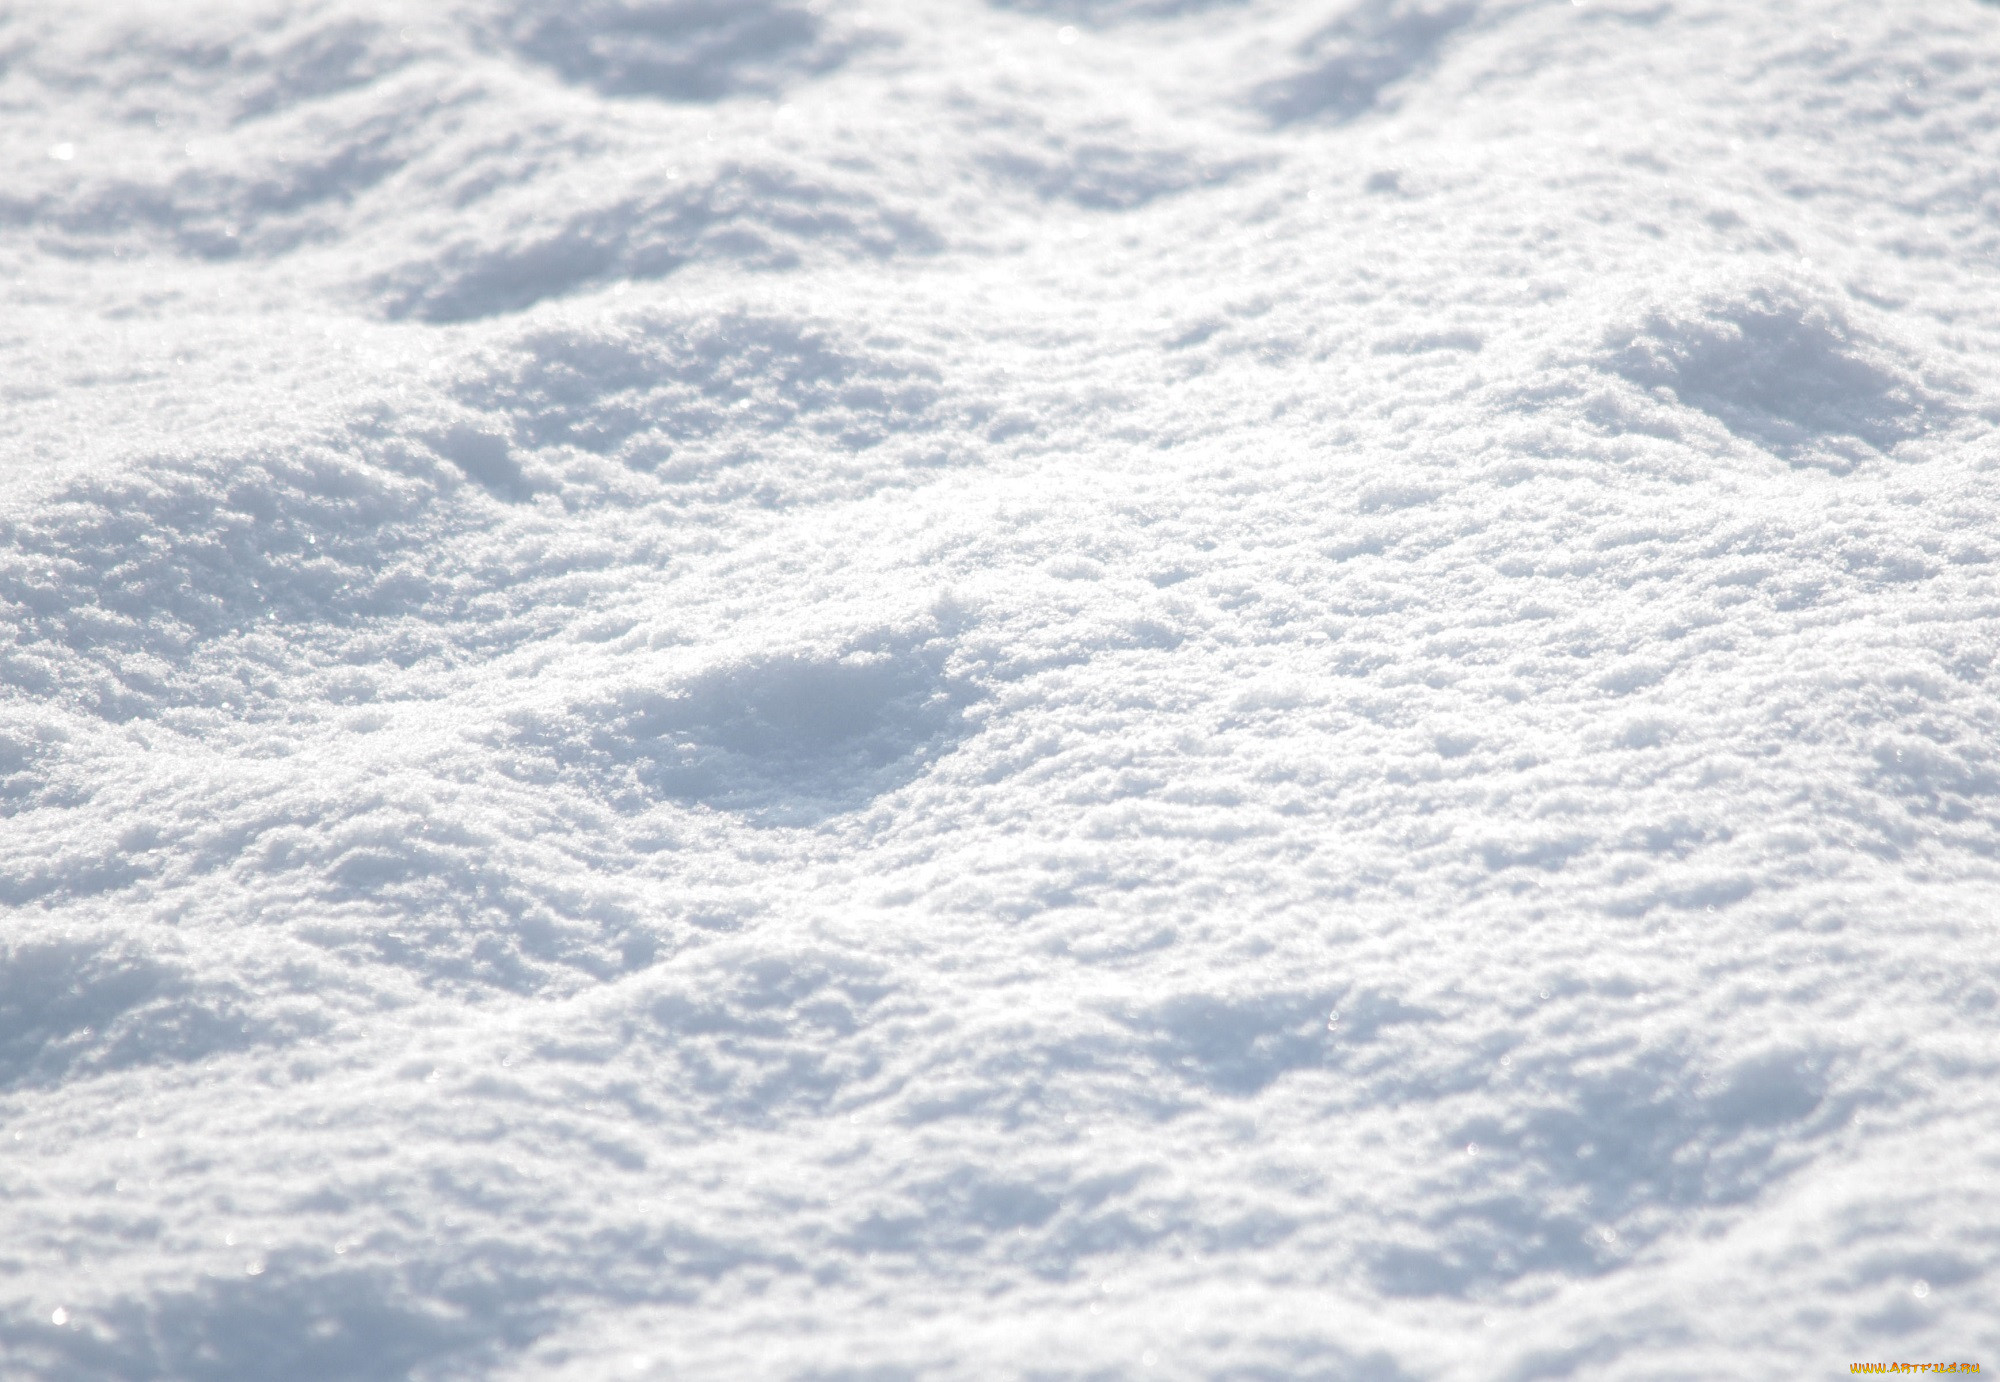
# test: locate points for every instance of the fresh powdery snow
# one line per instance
(981, 689)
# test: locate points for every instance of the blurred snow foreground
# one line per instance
(939, 689)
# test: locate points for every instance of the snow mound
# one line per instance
(1049, 688)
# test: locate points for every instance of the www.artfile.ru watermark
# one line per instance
(1913, 1367)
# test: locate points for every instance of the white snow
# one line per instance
(1060, 689)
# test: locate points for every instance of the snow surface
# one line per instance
(1061, 689)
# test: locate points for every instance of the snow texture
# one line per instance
(1040, 688)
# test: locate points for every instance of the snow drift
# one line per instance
(1066, 689)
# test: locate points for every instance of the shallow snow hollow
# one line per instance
(1061, 689)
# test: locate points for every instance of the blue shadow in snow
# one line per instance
(677, 50)
(69, 1007)
(790, 739)
(1641, 1146)
(1351, 63)
(346, 1326)
(1780, 370)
